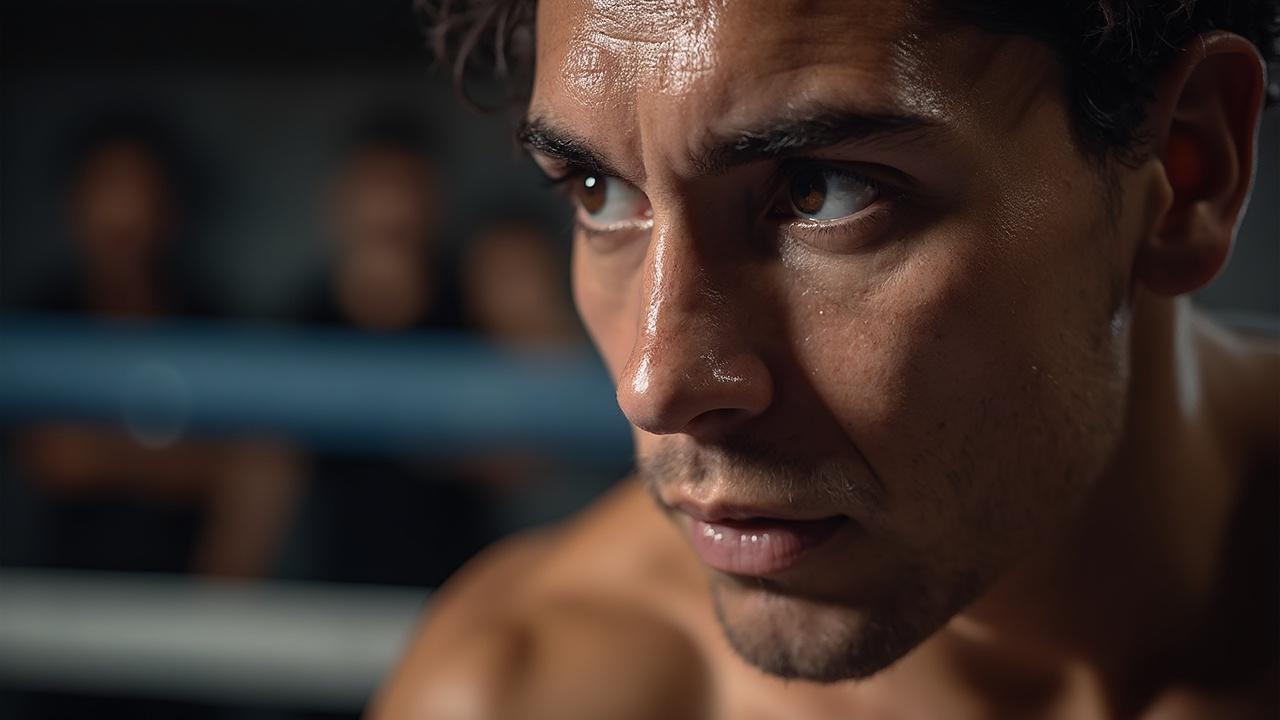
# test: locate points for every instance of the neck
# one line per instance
(1111, 604)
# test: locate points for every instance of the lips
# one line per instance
(757, 546)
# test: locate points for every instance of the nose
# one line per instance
(692, 369)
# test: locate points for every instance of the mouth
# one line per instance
(753, 542)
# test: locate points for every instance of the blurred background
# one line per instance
(285, 338)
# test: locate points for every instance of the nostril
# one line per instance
(713, 422)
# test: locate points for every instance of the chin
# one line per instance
(800, 638)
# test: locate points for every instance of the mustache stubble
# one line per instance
(746, 467)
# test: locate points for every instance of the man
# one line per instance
(514, 286)
(145, 498)
(387, 215)
(895, 297)
(368, 515)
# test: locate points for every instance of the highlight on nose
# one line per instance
(665, 389)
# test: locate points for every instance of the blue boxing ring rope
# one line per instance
(298, 645)
(437, 394)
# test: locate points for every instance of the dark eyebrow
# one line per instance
(802, 132)
(536, 134)
(805, 132)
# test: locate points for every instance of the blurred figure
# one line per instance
(514, 287)
(110, 498)
(123, 216)
(371, 517)
(386, 227)
(126, 180)
(516, 295)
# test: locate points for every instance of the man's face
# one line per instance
(385, 204)
(863, 299)
(122, 206)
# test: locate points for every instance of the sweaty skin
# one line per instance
(850, 269)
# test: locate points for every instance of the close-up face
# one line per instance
(864, 300)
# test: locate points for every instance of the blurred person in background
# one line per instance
(127, 201)
(385, 221)
(514, 286)
(373, 517)
(516, 295)
(120, 499)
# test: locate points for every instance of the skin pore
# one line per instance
(847, 264)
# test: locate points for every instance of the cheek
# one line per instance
(887, 354)
(959, 375)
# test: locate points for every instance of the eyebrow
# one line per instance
(806, 132)
(795, 134)
(538, 135)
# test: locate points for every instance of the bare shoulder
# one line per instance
(560, 623)
(1243, 374)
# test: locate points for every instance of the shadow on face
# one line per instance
(811, 228)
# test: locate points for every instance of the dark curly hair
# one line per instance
(1111, 51)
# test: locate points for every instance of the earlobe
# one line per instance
(1203, 123)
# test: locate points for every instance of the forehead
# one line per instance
(710, 56)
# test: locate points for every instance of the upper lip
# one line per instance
(720, 511)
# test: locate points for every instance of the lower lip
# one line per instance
(759, 547)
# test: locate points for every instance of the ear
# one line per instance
(1203, 125)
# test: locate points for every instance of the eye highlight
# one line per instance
(826, 193)
(591, 194)
(607, 203)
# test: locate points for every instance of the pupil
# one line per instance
(808, 192)
(591, 194)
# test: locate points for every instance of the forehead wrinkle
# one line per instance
(669, 44)
(889, 72)
(619, 69)
(648, 21)
(622, 46)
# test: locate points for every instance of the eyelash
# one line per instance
(561, 185)
(833, 235)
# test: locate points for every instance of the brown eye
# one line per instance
(605, 201)
(808, 192)
(590, 193)
(829, 193)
